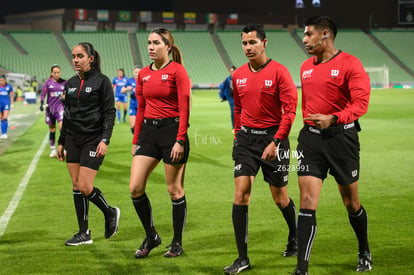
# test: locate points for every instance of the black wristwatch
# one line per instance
(105, 140)
(179, 141)
(335, 119)
(277, 141)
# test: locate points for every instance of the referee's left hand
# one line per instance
(101, 149)
(177, 152)
(269, 152)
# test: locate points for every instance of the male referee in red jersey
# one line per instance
(335, 93)
(265, 100)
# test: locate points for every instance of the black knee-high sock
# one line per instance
(143, 208)
(306, 235)
(359, 222)
(179, 216)
(132, 130)
(98, 199)
(125, 113)
(289, 213)
(240, 215)
(81, 207)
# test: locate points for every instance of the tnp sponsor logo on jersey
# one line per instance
(237, 168)
(71, 90)
(306, 74)
(334, 73)
(241, 82)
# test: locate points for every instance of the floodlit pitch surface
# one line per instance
(43, 217)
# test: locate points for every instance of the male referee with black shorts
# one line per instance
(335, 93)
(265, 107)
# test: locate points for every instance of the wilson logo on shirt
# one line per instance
(334, 73)
(164, 77)
(307, 74)
(268, 83)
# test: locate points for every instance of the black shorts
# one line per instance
(247, 152)
(82, 149)
(335, 150)
(157, 138)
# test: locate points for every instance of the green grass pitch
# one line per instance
(33, 241)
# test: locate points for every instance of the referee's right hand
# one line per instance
(60, 153)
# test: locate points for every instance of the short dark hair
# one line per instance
(322, 22)
(255, 27)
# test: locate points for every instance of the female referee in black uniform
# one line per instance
(87, 126)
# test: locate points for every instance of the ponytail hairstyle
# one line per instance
(51, 71)
(90, 51)
(168, 39)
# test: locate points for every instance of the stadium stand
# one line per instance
(42, 50)
(232, 44)
(201, 58)
(400, 43)
(357, 43)
(281, 47)
(113, 47)
(32, 52)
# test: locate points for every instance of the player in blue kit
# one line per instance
(119, 82)
(6, 101)
(53, 89)
(133, 102)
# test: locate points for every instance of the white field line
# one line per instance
(8, 213)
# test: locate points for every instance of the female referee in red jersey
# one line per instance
(163, 93)
(335, 93)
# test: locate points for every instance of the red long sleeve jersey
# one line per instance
(264, 99)
(162, 94)
(338, 87)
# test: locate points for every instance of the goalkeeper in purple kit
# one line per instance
(53, 89)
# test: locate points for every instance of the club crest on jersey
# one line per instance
(164, 77)
(268, 83)
(306, 74)
(146, 78)
(334, 73)
(88, 89)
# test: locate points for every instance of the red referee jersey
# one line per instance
(162, 94)
(338, 87)
(264, 99)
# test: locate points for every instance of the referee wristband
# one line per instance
(277, 141)
(179, 141)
